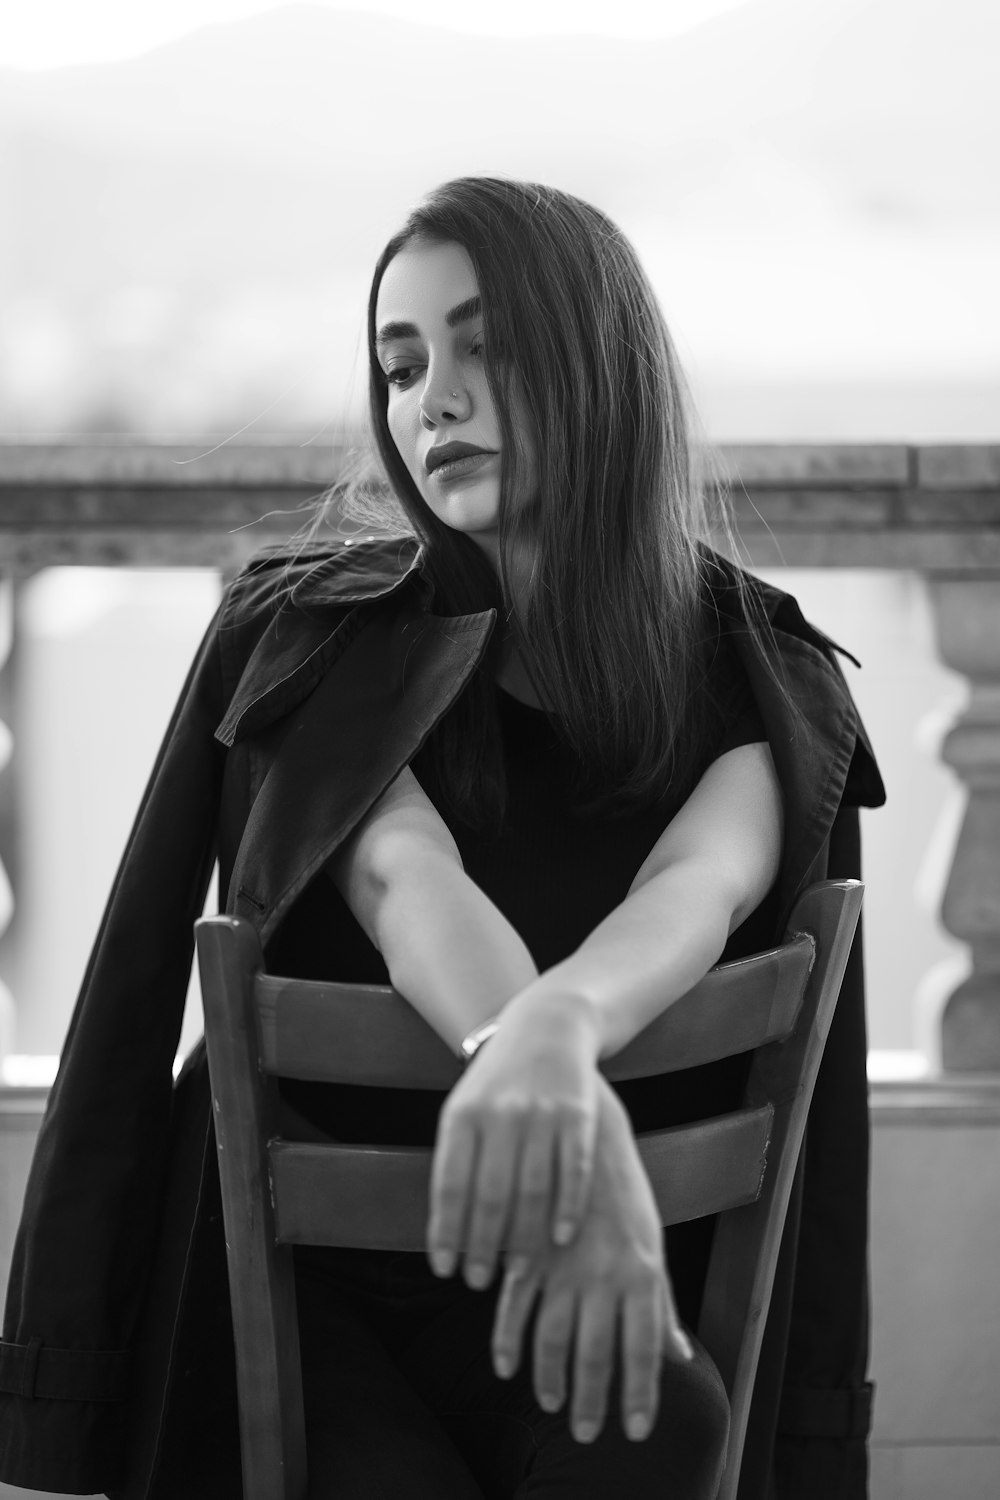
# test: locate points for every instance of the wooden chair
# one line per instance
(277, 1193)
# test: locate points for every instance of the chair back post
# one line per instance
(261, 1275)
(745, 1247)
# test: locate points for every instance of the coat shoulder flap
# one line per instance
(318, 574)
(734, 593)
(287, 616)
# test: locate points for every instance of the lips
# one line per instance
(448, 453)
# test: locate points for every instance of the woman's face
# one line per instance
(429, 343)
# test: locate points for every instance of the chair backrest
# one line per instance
(276, 1193)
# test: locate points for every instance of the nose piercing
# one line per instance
(454, 394)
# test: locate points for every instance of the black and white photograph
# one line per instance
(500, 750)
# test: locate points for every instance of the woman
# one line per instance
(542, 833)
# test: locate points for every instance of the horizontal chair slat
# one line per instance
(349, 1033)
(367, 1034)
(358, 1196)
(705, 1168)
(735, 1008)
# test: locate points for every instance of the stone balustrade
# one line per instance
(932, 509)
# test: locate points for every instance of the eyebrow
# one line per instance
(463, 312)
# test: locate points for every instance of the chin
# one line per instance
(468, 511)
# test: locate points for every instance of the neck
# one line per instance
(511, 673)
(512, 676)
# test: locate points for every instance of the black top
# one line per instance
(554, 874)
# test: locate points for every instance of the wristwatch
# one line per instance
(477, 1037)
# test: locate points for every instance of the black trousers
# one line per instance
(402, 1402)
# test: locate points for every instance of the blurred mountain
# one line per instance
(194, 228)
(886, 101)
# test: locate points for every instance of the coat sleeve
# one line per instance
(92, 1202)
(826, 1408)
(811, 1413)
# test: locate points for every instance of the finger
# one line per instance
(576, 1163)
(529, 1230)
(491, 1202)
(642, 1343)
(553, 1332)
(592, 1365)
(675, 1343)
(451, 1183)
(520, 1287)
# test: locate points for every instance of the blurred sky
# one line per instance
(53, 33)
(197, 191)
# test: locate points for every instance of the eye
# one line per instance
(399, 376)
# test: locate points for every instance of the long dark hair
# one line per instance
(612, 628)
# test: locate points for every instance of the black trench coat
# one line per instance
(116, 1363)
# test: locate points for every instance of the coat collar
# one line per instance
(315, 601)
(320, 582)
(356, 717)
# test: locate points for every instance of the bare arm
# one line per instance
(516, 1143)
(531, 1098)
(533, 1089)
(524, 1116)
(458, 960)
(448, 949)
(707, 872)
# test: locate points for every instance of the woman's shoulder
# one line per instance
(278, 626)
(742, 602)
(792, 670)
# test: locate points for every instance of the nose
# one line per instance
(445, 399)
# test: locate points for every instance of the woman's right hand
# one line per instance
(514, 1153)
(613, 1270)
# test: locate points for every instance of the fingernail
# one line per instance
(685, 1345)
(478, 1276)
(637, 1427)
(564, 1231)
(585, 1432)
(442, 1262)
(549, 1402)
(517, 1265)
(504, 1366)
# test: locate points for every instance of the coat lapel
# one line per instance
(366, 719)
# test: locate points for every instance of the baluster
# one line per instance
(967, 615)
(7, 803)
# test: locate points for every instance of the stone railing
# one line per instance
(934, 510)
